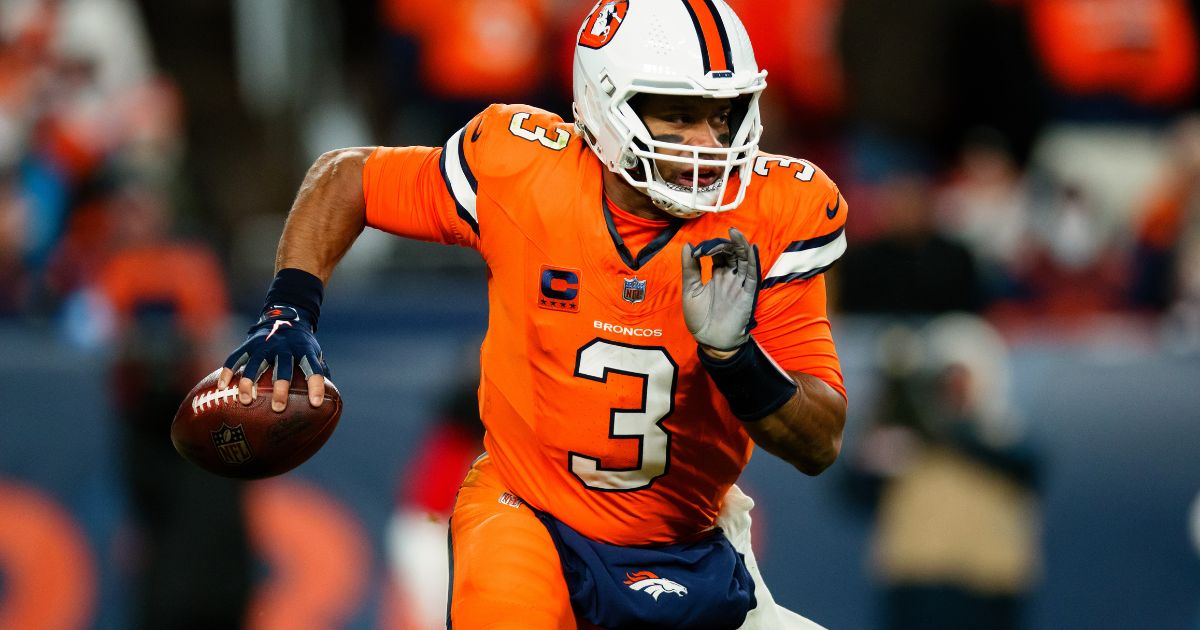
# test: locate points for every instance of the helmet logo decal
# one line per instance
(714, 41)
(601, 26)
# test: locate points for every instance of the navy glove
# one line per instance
(284, 336)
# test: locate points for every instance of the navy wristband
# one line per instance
(298, 289)
(750, 381)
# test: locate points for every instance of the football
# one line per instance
(221, 435)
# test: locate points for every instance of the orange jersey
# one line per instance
(596, 406)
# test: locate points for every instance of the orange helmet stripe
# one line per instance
(714, 41)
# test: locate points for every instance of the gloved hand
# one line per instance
(720, 314)
(283, 337)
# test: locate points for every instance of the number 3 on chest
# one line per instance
(659, 374)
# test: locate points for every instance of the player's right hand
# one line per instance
(282, 338)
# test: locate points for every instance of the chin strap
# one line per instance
(672, 207)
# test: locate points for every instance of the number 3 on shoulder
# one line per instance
(763, 165)
(534, 133)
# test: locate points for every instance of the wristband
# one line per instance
(298, 289)
(750, 381)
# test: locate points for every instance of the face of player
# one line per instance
(692, 120)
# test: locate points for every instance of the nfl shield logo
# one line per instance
(231, 444)
(635, 290)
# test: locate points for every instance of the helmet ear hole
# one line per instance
(587, 133)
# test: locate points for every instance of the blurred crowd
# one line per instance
(1022, 159)
(90, 145)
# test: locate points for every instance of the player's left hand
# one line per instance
(720, 314)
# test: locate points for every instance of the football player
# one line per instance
(657, 308)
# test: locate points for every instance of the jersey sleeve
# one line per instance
(434, 194)
(407, 194)
(808, 238)
(794, 330)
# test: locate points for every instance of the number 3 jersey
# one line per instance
(596, 406)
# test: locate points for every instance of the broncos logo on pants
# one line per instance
(653, 585)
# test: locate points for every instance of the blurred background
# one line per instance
(1018, 315)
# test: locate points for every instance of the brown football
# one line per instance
(221, 435)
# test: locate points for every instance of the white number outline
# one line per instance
(538, 134)
(643, 424)
(761, 166)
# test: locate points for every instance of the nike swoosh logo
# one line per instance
(475, 134)
(275, 327)
(832, 212)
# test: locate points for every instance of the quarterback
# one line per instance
(656, 308)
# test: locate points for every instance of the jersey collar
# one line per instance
(651, 248)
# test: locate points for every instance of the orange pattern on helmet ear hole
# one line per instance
(613, 13)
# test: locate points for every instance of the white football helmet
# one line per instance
(675, 47)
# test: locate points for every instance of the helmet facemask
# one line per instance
(732, 163)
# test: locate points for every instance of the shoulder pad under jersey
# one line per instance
(500, 142)
(505, 139)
